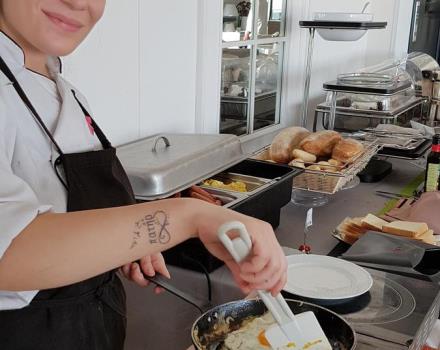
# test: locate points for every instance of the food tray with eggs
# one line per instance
(329, 161)
(261, 184)
(177, 165)
(232, 182)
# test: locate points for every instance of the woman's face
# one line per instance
(53, 27)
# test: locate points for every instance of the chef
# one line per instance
(68, 217)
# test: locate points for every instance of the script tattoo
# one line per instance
(154, 227)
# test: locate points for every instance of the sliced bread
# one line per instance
(372, 222)
(406, 228)
(349, 238)
(427, 237)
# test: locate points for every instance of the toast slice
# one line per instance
(427, 237)
(349, 226)
(372, 222)
(349, 238)
(406, 228)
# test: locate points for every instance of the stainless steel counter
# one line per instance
(164, 322)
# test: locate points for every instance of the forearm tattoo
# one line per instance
(154, 228)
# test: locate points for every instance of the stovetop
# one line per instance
(397, 313)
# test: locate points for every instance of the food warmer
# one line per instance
(168, 165)
(384, 94)
(393, 92)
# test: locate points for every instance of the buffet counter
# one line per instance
(164, 322)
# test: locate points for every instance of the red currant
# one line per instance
(304, 248)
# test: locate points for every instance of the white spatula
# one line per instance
(302, 331)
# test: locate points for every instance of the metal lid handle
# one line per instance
(165, 140)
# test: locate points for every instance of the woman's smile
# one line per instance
(63, 22)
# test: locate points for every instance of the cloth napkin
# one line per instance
(390, 128)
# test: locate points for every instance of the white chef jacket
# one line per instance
(28, 183)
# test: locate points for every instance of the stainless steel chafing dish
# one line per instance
(392, 92)
(164, 165)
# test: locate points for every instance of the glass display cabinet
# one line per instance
(252, 65)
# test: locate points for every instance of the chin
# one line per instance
(60, 50)
(60, 46)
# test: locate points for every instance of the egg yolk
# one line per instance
(262, 339)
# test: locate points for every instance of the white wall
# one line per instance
(392, 41)
(138, 68)
(153, 66)
(105, 69)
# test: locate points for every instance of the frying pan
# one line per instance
(210, 329)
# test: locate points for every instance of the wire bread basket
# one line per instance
(330, 182)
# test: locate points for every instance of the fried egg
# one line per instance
(251, 336)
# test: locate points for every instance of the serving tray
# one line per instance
(343, 25)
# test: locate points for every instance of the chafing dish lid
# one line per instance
(162, 165)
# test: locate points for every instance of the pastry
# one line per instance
(306, 157)
(314, 168)
(297, 164)
(346, 150)
(321, 143)
(285, 142)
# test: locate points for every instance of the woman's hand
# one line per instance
(150, 265)
(266, 266)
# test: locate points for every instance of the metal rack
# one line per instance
(385, 117)
(312, 26)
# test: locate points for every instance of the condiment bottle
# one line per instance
(433, 166)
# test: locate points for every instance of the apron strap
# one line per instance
(102, 138)
(6, 71)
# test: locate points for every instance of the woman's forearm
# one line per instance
(61, 249)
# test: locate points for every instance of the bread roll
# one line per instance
(335, 162)
(321, 143)
(326, 166)
(306, 157)
(297, 163)
(346, 150)
(314, 168)
(285, 142)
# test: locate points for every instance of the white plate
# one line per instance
(326, 278)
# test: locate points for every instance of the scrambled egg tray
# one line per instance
(236, 186)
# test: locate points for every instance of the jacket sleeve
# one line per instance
(19, 206)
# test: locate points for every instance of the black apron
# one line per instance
(89, 315)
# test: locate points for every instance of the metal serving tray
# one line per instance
(264, 203)
(253, 184)
(163, 165)
(228, 199)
